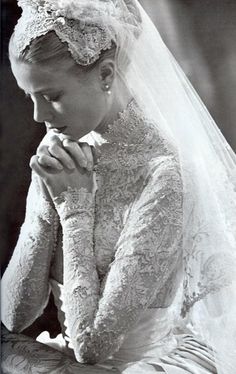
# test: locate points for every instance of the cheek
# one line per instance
(88, 109)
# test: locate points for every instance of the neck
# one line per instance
(119, 101)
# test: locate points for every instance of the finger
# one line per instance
(61, 155)
(42, 149)
(49, 161)
(52, 141)
(54, 138)
(48, 139)
(37, 168)
(46, 159)
(76, 152)
(67, 137)
(88, 154)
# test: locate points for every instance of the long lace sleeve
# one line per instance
(24, 285)
(146, 254)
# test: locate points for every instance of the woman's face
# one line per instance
(75, 104)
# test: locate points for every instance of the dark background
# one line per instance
(200, 33)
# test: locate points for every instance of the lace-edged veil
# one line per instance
(207, 303)
(208, 166)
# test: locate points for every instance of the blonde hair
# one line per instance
(49, 48)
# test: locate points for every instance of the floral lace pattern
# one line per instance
(122, 247)
(117, 253)
(81, 24)
(25, 286)
(207, 269)
(85, 42)
(22, 354)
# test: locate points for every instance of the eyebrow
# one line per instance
(45, 90)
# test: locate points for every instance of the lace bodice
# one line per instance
(121, 246)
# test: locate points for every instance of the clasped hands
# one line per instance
(61, 164)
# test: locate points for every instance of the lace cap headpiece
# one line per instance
(87, 26)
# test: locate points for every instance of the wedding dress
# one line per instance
(152, 251)
(123, 246)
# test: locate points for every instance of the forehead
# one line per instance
(35, 77)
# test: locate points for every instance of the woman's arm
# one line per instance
(147, 252)
(24, 285)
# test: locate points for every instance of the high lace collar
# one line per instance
(130, 141)
(127, 127)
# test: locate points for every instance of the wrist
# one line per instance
(66, 181)
(39, 203)
(74, 201)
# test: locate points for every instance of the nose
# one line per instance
(42, 111)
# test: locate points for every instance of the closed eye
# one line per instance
(46, 97)
(52, 98)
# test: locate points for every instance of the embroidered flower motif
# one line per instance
(86, 26)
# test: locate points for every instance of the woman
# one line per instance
(119, 225)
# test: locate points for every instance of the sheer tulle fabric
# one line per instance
(209, 174)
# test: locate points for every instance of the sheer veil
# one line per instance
(207, 296)
(208, 165)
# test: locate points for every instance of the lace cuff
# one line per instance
(46, 212)
(74, 201)
(37, 205)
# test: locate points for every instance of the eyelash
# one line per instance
(52, 99)
(49, 99)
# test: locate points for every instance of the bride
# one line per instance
(130, 214)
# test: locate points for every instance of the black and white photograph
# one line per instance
(118, 186)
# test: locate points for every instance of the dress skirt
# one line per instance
(151, 347)
(155, 345)
(22, 355)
